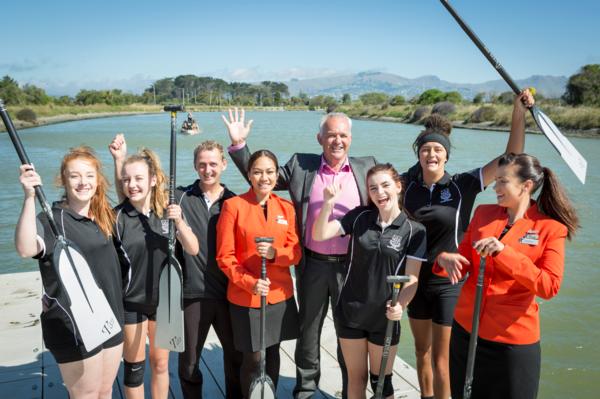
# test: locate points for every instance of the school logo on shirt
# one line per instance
(164, 224)
(445, 195)
(395, 242)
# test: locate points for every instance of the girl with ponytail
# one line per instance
(522, 241)
(141, 231)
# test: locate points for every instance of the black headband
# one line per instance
(437, 138)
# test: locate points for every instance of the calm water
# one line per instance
(570, 355)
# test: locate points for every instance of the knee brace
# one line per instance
(388, 388)
(134, 373)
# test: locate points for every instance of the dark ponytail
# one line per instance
(553, 200)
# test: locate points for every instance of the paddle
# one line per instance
(565, 149)
(262, 386)
(169, 314)
(474, 332)
(396, 282)
(85, 302)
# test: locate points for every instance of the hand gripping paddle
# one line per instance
(262, 386)
(169, 314)
(396, 282)
(79, 294)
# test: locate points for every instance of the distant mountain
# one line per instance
(364, 82)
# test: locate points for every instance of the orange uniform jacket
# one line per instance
(531, 264)
(242, 219)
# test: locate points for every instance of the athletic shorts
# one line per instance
(374, 337)
(138, 317)
(435, 302)
(76, 353)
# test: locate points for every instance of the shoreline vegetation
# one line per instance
(573, 121)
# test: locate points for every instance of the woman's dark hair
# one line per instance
(387, 168)
(552, 200)
(259, 154)
(434, 124)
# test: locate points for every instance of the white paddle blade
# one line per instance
(169, 314)
(567, 151)
(262, 388)
(91, 312)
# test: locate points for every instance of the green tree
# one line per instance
(506, 97)
(479, 98)
(583, 88)
(397, 100)
(374, 98)
(346, 99)
(10, 92)
(431, 96)
(35, 95)
(453, 97)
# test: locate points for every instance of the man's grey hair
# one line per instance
(330, 115)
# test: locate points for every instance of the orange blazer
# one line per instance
(531, 264)
(242, 219)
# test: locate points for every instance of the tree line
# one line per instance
(583, 88)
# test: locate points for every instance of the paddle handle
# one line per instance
(474, 331)
(16, 140)
(385, 354)
(172, 170)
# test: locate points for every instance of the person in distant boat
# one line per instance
(190, 123)
(84, 217)
(384, 242)
(141, 231)
(522, 241)
(259, 213)
(443, 204)
(320, 274)
(205, 285)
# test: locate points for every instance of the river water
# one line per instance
(570, 356)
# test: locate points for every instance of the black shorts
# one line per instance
(435, 302)
(374, 337)
(77, 353)
(138, 317)
(502, 371)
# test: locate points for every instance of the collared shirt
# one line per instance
(349, 199)
(375, 253)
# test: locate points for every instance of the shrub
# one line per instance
(420, 113)
(444, 108)
(397, 100)
(26, 115)
(483, 114)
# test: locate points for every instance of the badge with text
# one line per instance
(281, 220)
(530, 238)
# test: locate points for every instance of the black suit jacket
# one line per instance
(298, 174)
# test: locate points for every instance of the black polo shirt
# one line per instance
(202, 276)
(100, 254)
(375, 253)
(144, 242)
(444, 210)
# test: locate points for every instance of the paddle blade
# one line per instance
(262, 388)
(169, 314)
(91, 312)
(567, 151)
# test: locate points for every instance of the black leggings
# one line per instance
(251, 367)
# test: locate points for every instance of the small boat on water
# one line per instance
(190, 126)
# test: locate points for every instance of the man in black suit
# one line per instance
(320, 274)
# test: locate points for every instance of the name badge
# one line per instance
(281, 220)
(530, 238)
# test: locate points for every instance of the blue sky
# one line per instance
(66, 45)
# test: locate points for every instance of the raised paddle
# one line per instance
(79, 294)
(565, 149)
(474, 332)
(169, 314)
(262, 386)
(396, 282)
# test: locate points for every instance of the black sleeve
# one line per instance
(44, 233)
(417, 247)
(469, 183)
(347, 221)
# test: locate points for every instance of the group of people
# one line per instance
(349, 224)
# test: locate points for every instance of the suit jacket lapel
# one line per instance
(309, 178)
(359, 172)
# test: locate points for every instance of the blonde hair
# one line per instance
(208, 145)
(100, 210)
(159, 194)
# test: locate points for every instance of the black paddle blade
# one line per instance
(169, 314)
(262, 388)
(84, 299)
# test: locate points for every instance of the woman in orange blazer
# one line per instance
(523, 242)
(259, 213)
